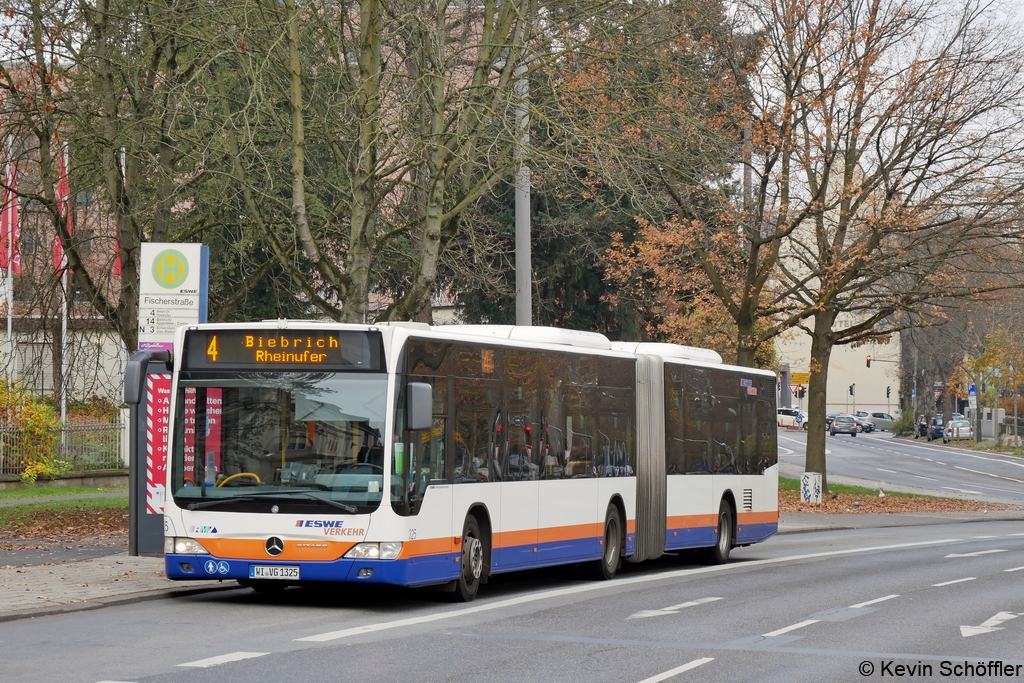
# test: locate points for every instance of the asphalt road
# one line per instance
(802, 607)
(949, 469)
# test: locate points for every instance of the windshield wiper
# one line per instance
(249, 497)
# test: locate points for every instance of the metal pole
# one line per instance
(524, 275)
(10, 263)
(133, 484)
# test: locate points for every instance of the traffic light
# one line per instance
(801, 391)
(869, 361)
(888, 392)
(851, 389)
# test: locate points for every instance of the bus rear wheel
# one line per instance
(719, 553)
(472, 561)
(611, 555)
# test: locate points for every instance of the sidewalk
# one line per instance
(71, 587)
(803, 522)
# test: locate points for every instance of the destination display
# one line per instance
(283, 350)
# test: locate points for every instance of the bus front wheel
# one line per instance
(719, 553)
(611, 554)
(472, 561)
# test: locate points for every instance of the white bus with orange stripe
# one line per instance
(413, 455)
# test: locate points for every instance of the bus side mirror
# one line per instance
(419, 405)
(135, 373)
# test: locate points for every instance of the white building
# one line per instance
(848, 366)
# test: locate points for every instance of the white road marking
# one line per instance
(223, 659)
(1015, 569)
(114, 681)
(889, 471)
(674, 609)
(1015, 534)
(918, 476)
(950, 583)
(873, 602)
(617, 584)
(988, 626)
(678, 670)
(977, 554)
(790, 628)
(949, 488)
(939, 463)
(989, 474)
(984, 537)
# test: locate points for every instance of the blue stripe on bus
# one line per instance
(690, 537)
(754, 533)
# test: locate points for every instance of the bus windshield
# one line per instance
(291, 441)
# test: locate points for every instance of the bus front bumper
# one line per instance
(417, 571)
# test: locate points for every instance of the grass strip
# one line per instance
(48, 491)
(787, 484)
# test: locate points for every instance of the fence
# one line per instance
(85, 447)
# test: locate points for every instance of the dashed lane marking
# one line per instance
(674, 609)
(950, 488)
(1015, 534)
(977, 554)
(984, 537)
(873, 602)
(223, 659)
(678, 670)
(989, 474)
(1015, 569)
(950, 583)
(889, 471)
(918, 476)
(616, 584)
(787, 629)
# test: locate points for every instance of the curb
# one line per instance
(127, 599)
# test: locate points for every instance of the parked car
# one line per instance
(883, 421)
(829, 418)
(792, 417)
(956, 430)
(844, 424)
(935, 428)
(864, 423)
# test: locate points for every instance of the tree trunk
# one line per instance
(821, 351)
(746, 338)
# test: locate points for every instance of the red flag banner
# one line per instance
(10, 225)
(60, 261)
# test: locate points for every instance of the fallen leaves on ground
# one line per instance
(54, 524)
(789, 501)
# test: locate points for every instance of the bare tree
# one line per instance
(903, 156)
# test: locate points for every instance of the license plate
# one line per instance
(261, 571)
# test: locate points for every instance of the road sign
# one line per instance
(971, 391)
(172, 291)
(800, 377)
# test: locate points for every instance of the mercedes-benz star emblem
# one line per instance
(275, 546)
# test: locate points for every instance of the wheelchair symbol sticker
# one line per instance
(223, 567)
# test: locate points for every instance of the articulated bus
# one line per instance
(406, 454)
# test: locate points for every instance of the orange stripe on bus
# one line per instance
(758, 517)
(427, 546)
(691, 521)
(255, 549)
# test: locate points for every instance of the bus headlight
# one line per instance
(183, 546)
(388, 550)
